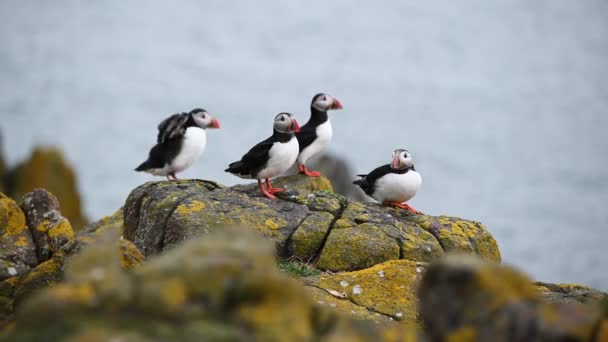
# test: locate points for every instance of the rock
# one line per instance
(306, 225)
(382, 293)
(466, 298)
(17, 249)
(43, 258)
(223, 286)
(49, 228)
(47, 168)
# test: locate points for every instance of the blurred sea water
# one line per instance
(504, 104)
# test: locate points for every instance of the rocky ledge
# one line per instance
(208, 271)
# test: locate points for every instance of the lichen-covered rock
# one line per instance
(2, 167)
(318, 226)
(220, 287)
(463, 297)
(49, 228)
(306, 242)
(47, 168)
(17, 249)
(386, 291)
(56, 244)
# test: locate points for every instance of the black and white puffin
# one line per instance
(181, 140)
(271, 157)
(316, 134)
(394, 183)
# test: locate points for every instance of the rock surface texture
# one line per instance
(310, 223)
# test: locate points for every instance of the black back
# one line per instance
(308, 132)
(368, 182)
(256, 159)
(174, 127)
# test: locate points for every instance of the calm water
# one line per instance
(504, 104)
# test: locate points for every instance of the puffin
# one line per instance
(316, 134)
(271, 157)
(180, 141)
(394, 183)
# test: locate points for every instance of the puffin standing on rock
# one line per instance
(181, 140)
(316, 134)
(271, 157)
(394, 183)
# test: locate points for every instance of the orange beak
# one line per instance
(395, 163)
(295, 126)
(215, 123)
(336, 104)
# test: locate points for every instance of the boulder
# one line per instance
(17, 248)
(310, 223)
(47, 168)
(36, 242)
(464, 298)
(222, 286)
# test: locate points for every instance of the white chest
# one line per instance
(280, 158)
(397, 187)
(193, 145)
(324, 134)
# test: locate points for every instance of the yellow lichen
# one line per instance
(63, 229)
(369, 287)
(130, 256)
(21, 242)
(462, 334)
(43, 226)
(271, 224)
(174, 293)
(78, 293)
(190, 208)
(15, 220)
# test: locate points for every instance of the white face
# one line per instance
(402, 159)
(204, 120)
(325, 102)
(285, 122)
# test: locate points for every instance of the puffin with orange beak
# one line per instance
(180, 141)
(271, 157)
(394, 183)
(316, 134)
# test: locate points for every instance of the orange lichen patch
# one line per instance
(193, 207)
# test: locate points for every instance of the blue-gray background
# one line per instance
(504, 104)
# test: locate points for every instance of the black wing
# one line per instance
(253, 161)
(161, 154)
(171, 127)
(306, 136)
(368, 182)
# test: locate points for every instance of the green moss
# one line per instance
(297, 269)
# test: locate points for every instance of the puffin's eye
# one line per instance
(282, 118)
(324, 98)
